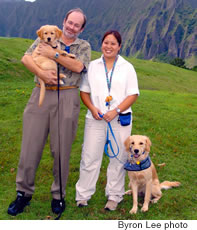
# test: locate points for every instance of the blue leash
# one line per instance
(108, 142)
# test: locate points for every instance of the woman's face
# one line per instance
(110, 47)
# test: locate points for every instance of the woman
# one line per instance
(109, 88)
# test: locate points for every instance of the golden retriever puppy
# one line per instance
(50, 35)
(142, 173)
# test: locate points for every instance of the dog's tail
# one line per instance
(169, 184)
(42, 92)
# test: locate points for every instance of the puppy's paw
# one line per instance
(63, 76)
(129, 192)
(144, 208)
(64, 53)
(154, 201)
(133, 211)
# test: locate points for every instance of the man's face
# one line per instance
(72, 27)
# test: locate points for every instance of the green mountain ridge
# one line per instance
(151, 29)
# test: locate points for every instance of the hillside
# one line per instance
(151, 29)
(151, 75)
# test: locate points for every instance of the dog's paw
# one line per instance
(144, 208)
(62, 76)
(154, 201)
(64, 53)
(129, 192)
(133, 211)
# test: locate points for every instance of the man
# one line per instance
(39, 122)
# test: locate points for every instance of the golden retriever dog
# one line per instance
(50, 35)
(142, 173)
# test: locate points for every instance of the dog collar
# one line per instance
(146, 163)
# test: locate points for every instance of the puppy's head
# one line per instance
(138, 147)
(49, 33)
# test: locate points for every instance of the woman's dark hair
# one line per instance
(116, 35)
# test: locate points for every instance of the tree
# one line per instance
(194, 68)
(178, 62)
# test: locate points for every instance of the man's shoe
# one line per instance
(19, 204)
(58, 206)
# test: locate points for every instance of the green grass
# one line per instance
(166, 111)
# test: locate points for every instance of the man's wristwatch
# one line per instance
(56, 55)
(118, 110)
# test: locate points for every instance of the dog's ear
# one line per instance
(127, 143)
(58, 32)
(148, 144)
(39, 32)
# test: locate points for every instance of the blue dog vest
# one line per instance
(146, 163)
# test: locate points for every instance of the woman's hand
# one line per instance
(110, 115)
(95, 113)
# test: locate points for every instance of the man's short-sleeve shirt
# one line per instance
(81, 49)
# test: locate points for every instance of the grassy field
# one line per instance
(166, 111)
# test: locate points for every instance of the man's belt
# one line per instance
(56, 88)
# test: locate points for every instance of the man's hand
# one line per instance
(46, 50)
(48, 76)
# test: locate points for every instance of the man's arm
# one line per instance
(48, 76)
(72, 64)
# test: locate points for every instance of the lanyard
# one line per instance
(109, 81)
(106, 73)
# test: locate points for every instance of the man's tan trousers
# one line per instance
(38, 123)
